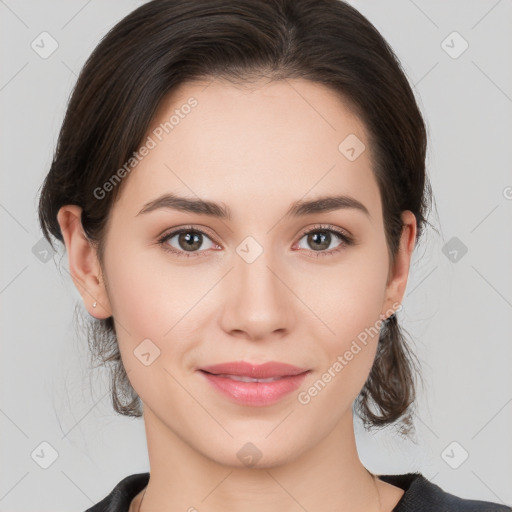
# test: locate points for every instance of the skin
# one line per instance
(255, 150)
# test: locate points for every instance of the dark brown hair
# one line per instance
(165, 43)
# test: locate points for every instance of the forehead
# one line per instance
(275, 142)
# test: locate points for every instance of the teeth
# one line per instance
(242, 378)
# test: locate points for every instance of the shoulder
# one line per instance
(421, 495)
(119, 499)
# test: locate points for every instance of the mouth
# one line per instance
(243, 378)
(268, 370)
(255, 385)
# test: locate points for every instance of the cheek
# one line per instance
(149, 295)
(149, 309)
(348, 297)
(348, 300)
(155, 304)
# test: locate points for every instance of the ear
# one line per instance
(84, 265)
(399, 271)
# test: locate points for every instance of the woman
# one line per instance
(240, 187)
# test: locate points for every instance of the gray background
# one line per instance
(457, 308)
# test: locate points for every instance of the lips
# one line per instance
(271, 370)
(254, 385)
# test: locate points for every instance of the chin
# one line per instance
(255, 452)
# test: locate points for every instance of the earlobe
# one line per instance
(397, 282)
(84, 266)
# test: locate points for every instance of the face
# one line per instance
(264, 283)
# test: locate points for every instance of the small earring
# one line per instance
(95, 304)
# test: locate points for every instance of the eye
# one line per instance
(321, 238)
(188, 241)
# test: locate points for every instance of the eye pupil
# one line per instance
(190, 242)
(319, 238)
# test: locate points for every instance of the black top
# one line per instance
(420, 495)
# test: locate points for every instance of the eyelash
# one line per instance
(345, 238)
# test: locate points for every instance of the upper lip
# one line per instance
(255, 371)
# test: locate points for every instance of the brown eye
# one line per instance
(187, 240)
(321, 241)
(190, 242)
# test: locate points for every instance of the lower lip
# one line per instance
(255, 393)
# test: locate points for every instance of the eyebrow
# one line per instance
(299, 208)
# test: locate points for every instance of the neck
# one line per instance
(328, 477)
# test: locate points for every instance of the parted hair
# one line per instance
(164, 43)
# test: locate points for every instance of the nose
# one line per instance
(257, 301)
